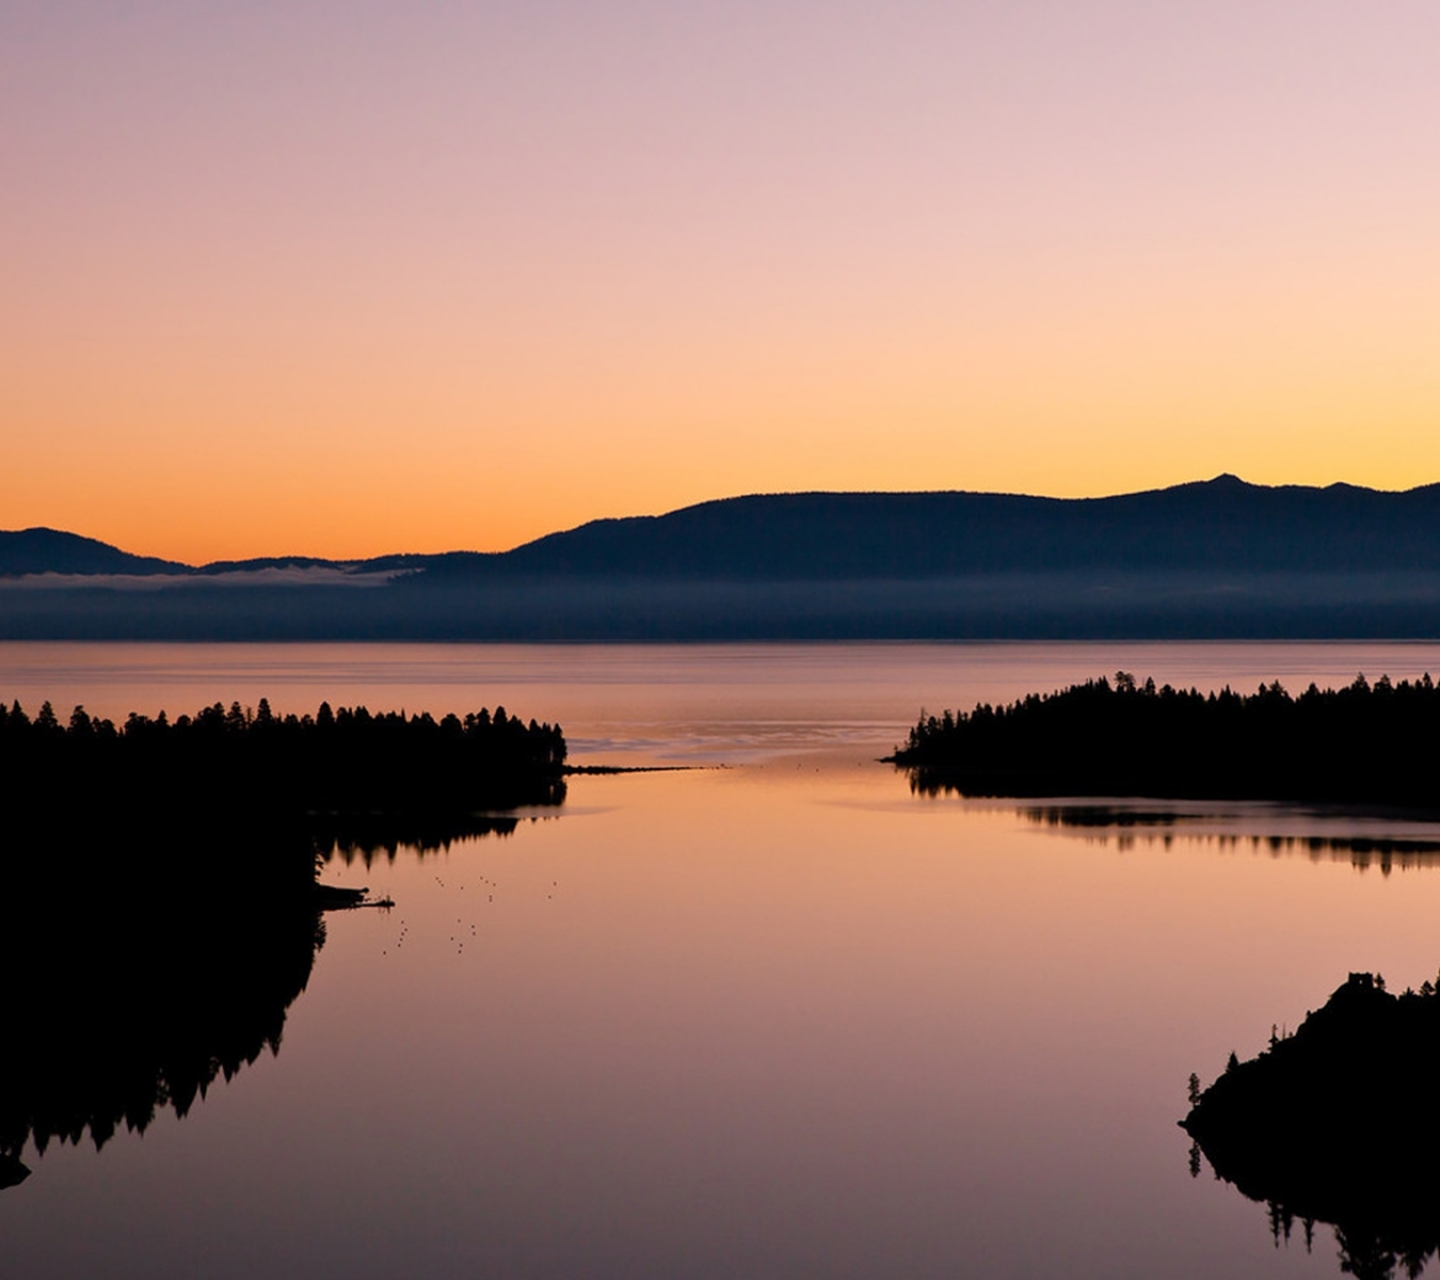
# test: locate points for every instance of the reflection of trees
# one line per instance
(159, 910)
(1338, 1123)
(147, 955)
(351, 842)
(142, 963)
(1129, 823)
(366, 836)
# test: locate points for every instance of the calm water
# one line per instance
(774, 1019)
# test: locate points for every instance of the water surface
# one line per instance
(777, 1018)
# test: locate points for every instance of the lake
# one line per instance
(767, 1015)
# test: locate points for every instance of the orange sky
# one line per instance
(347, 279)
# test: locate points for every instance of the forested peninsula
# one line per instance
(161, 907)
(245, 804)
(1366, 744)
(245, 763)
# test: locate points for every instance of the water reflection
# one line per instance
(147, 958)
(142, 964)
(384, 835)
(1131, 826)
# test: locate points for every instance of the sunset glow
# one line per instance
(349, 279)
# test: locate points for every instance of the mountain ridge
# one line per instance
(44, 550)
(1220, 524)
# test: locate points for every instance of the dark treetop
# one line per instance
(1365, 744)
(244, 763)
(1339, 1123)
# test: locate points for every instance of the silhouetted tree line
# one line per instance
(1339, 1123)
(348, 761)
(1363, 744)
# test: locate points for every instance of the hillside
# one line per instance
(25, 551)
(1220, 524)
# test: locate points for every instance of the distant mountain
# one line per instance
(37, 551)
(52, 551)
(1218, 559)
(1220, 524)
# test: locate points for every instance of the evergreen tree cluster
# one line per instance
(1363, 744)
(1337, 1122)
(345, 761)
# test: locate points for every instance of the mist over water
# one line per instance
(777, 1018)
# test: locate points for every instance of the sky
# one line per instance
(346, 278)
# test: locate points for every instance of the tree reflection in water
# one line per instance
(363, 840)
(146, 959)
(1131, 824)
(142, 964)
(1339, 1123)
(159, 907)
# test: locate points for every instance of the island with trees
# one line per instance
(1338, 1122)
(1373, 745)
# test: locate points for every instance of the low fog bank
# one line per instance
(204, 579)
(1096, 605)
